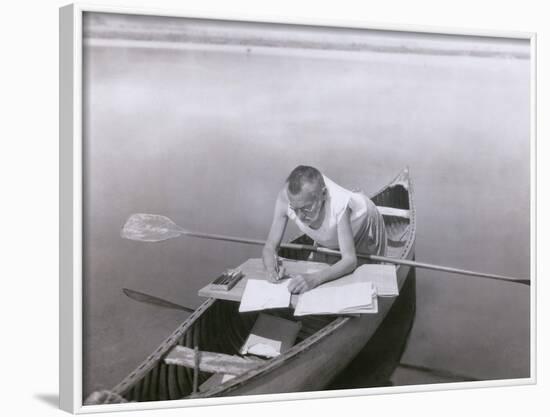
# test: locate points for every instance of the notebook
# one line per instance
(261, 295)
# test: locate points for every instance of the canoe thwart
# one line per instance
(211, 362)
(391, 211)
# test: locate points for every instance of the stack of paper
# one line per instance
(384, 278)
(261, 295)
(339, 298)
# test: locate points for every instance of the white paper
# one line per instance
(227, 377)
(262, 346)
(372, 309)
(384, 278)
(347, 298)
(261, 295)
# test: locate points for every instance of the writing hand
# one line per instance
(302, 283)
(275, 276)
(272, 276)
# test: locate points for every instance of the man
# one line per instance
(332, 216)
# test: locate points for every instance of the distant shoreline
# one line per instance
(173, 33)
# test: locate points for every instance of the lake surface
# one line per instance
(206, 136)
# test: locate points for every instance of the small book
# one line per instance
(271, 336)
(227, 280)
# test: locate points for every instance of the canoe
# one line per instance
(324, 347)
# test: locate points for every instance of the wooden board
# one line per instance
(215, 380)
(277, 332)
(254, 269)
(211, 362)
(391, 211)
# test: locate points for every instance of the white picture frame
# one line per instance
(71, 209)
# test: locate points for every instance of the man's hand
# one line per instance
(272, 276)
(275, 276)
(302, 283)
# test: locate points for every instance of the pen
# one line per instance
(276, 258)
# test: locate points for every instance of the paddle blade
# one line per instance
(149, 228)
(151, 299)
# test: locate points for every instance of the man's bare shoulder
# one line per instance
(282, 196)
(282, 201)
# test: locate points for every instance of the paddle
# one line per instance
(156, 228)
(150, 299)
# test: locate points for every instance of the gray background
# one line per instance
(205, 133)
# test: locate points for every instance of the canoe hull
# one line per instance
(328, 345)
(328, 357)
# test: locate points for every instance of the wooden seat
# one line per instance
(391, 211)
(211, 362)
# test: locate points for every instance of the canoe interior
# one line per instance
(219, 327)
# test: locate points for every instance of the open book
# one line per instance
(262, 295)
(356, 293)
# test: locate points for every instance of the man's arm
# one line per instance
(345, 265)
(275, 236)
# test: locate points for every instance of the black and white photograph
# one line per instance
(281, 208)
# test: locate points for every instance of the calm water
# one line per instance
(207, 137)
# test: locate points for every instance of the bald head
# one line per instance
(304, 176)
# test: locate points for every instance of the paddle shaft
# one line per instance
(377, 258)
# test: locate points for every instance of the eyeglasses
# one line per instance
(310, 208)
(307, 210)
